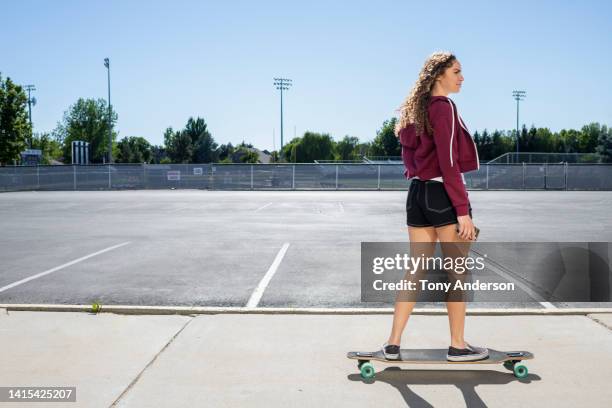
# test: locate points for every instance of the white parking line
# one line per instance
(57, 268)
(512, 277)
(259, 290)
(262, 207)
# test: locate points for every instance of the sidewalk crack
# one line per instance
(596, 320)
(135, 380)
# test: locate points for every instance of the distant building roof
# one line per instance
(262, 157)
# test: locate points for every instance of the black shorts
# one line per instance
(428, 205)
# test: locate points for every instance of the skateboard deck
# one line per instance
(509, 359)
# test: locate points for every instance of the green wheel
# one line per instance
(509, 365)
(520, 371)
(367, 370)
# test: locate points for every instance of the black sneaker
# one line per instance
(470, 353)
(391, 351)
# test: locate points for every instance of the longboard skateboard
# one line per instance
(510, 359)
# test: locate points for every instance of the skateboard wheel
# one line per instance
(520, 371)
(509, 365)
(367, 370)
(361, 362)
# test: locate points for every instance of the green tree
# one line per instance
(224, 151)
(14, 124)
(531, 140)
(50, 148)
(178, 146)
(134, 150)
(501, 144)
(204, 146)
(604, 144)
(244, 154)
(362, 149)
(544, 141)
(193, 144)
(479, 142)
(87, 120)
(346, 149)
(287, 152)
(484, 144)
(541, 140)
(589, 137)
(158, 153)
(523, 139)
(274, 157)
(310, 147)
(386, 143)
(569, 140)
(559, 142)
(243, 144)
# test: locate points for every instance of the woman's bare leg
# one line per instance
(403, 309)
(456, 310)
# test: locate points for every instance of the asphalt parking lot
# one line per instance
(229, 248)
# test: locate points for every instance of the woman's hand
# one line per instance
(466, 228)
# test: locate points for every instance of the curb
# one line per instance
(189, 310)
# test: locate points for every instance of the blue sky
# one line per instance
(352, 62)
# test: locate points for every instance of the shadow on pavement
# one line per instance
(465, 380)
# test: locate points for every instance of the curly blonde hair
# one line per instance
(414, 108)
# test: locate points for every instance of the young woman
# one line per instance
(436, 149)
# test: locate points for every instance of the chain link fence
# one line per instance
(306, 176)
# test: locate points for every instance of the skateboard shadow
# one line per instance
(465, 380)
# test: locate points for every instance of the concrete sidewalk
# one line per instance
(235, 360)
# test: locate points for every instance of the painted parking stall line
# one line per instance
(57, 268)
(509, 277)
(263, 284)
(263, 206)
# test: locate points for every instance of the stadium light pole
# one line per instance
(283, 84)
(31, 101)
(110, 130)
(519, 96)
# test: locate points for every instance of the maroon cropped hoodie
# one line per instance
(448, 153)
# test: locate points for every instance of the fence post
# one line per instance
(38, 176)
(251, 176)
(487, 179)
(378, 187)
(211, 177)
(144, 175)
(524, 175)
(293, 178)
(336, 176)
(565, 171)
(74, 177)
(109, 177)
(545, 176)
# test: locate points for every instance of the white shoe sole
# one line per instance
(472, 357)
(390, 356)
